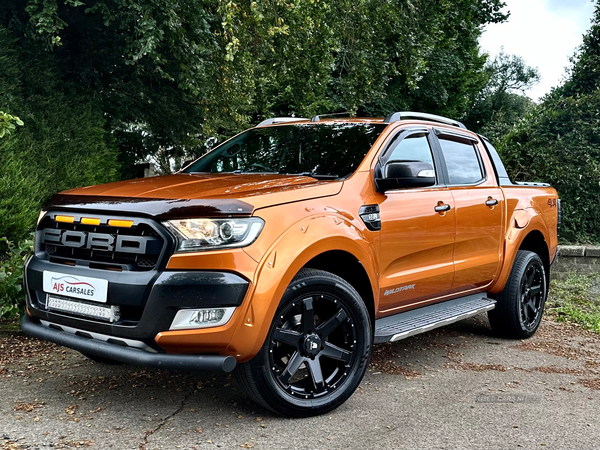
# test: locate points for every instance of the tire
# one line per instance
(100, 360)
(520, 305)
(317, 349)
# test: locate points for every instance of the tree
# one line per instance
(502, 101)
(558, 142)
(63, 143)
(113, 82)
(169, 74)
(583, 77)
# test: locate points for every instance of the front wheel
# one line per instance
(317, 349)
(520, 305)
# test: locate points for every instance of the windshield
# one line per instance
(326, 151)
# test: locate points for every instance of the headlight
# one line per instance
(208, 234)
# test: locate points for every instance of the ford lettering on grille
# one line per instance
(102, 241)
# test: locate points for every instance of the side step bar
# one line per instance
(421, 320)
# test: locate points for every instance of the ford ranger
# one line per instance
(288, 251)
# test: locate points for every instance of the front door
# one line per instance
(417, 242)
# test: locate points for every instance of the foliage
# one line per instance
(63, 145)
(558, 142)
(576, 300)
(12, 296)
(8, 123)
(168, 75)
(584, 74)
(102, 84)
(502, 101)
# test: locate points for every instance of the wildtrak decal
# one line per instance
(399, 289)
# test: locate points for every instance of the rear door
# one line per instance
(479, 205)
(417, 242)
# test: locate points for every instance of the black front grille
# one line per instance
(136, 248)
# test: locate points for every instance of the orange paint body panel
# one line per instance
(418, 256)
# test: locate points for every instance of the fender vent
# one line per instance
(370, 216)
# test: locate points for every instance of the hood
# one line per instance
(176, 196)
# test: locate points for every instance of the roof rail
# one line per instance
(273, 120)
(403, 115)
(318, 116)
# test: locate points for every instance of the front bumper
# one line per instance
(125, 354)
(149, 301)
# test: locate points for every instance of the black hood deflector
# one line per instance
(161, 209)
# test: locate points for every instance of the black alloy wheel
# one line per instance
(312, 346)
(520, 305)
(532, 295)
(317, 349)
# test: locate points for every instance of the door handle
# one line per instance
(491, 201)
(442, 208)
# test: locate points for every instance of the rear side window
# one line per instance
(462, 162)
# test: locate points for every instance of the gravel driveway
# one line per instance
(457, 387)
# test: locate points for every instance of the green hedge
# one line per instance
(62, 143)
(12, 297)
(53, 137)
(559, 143)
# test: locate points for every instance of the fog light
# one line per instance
(201, 318)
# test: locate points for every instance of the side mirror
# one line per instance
(405, 174)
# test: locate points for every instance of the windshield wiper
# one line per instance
(316, 176)
(251, 172)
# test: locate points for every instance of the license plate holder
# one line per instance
(76, 286)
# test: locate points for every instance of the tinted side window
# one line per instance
(462, 162)
(412, 148)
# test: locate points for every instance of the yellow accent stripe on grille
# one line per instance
(120, 223)
(66, 219)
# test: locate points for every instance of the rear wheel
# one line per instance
(520, 305)
(317, 349)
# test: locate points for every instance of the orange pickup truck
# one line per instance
(286, 252)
